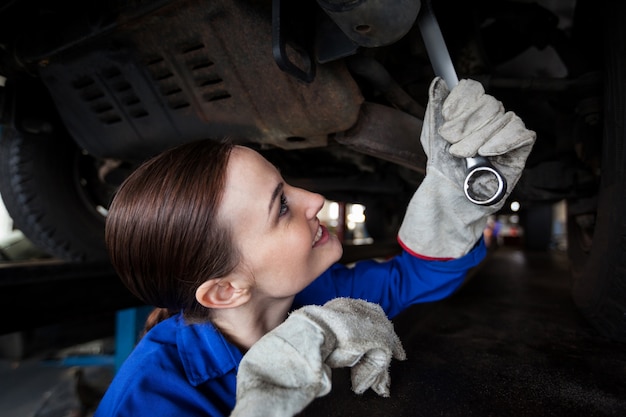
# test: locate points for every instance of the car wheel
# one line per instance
(52, 192)
(596, 237)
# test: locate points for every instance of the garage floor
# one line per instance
(510, 342)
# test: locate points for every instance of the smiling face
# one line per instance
(275, 226)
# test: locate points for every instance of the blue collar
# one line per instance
(204, 352)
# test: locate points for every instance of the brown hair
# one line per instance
(162, 230)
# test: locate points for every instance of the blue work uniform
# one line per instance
(179, 369)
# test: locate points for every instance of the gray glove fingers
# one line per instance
(460, 123)
(372, 371)
(469, 146)
(513, 136)
(396, 348)
(364, 339)
(463, 99)
(381, 384)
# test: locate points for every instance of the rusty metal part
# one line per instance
(148, 85)
(388, 134)
(377, 75)
(372, 23)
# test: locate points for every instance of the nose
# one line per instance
(313, 203)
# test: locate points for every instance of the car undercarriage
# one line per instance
(332, 91)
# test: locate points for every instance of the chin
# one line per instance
(330, 258)
(339, 252)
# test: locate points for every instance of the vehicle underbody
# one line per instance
(332, 91)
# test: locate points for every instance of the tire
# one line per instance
(596, 238)
(51, 192)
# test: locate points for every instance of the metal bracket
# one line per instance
(279, 49)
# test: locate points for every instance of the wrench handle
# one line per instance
(442, 65)
(436, 46)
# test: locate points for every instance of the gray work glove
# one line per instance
(290, 366)
(440, 222)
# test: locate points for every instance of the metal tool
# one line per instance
(441, 61)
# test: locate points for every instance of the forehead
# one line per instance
(250, 180)
(247, 161)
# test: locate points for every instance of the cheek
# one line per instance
(280, 256)
(294, 253)
(294, 257)
(295, 238)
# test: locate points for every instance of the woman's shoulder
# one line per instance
(174, 357)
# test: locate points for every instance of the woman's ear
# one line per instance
(226, 292)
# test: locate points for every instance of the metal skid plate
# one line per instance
(191, 70)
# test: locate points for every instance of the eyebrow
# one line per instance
(277, 192)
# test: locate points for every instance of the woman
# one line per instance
(212, 235)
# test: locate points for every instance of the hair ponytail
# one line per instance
(156, 316)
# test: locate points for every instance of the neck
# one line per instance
(246, 324)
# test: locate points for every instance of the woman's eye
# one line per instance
(284, 208)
